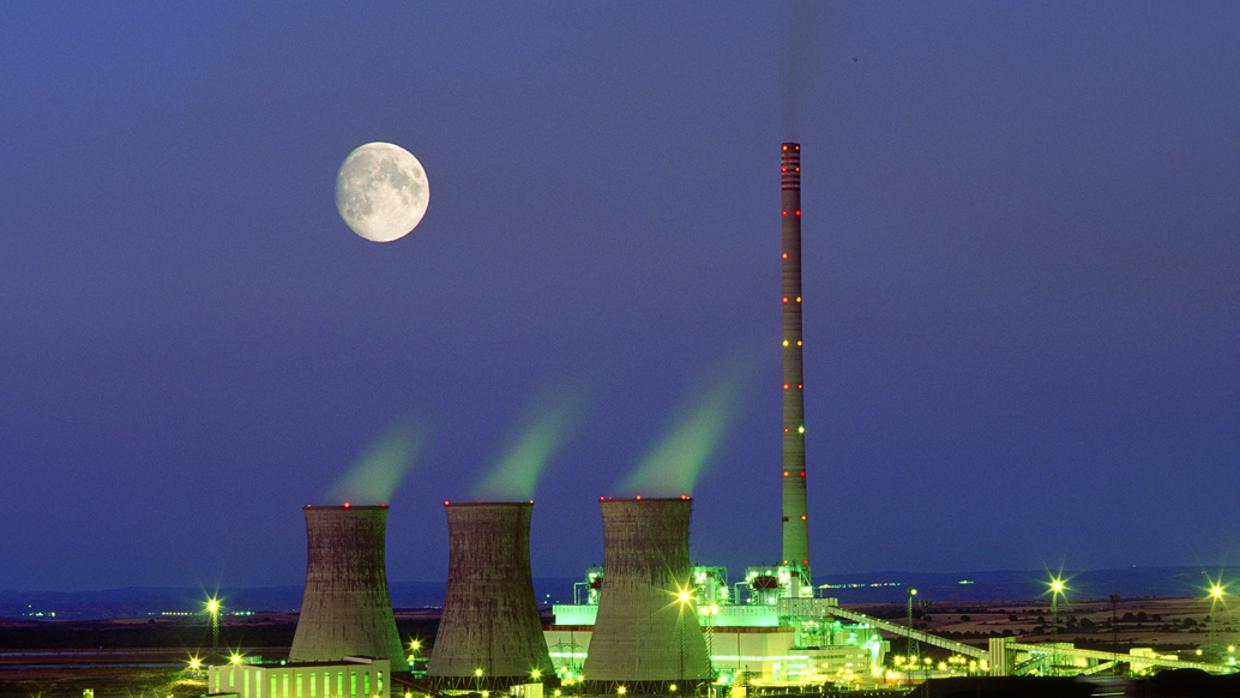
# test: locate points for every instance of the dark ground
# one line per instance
(145, 656)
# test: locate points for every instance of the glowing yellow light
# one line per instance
(536, 674)
(1216, 591)
(234, 658)
(912, 592)
(785, 342)
(682, 596)
(622, 690)
(478, 672)
(213, 605)
(195, 663)
(672, 688)
(801, 429)
(415, 644)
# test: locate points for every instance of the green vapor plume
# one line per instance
(377, 471)
(673, 466)
(515, 476)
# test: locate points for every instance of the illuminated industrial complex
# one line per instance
(648, 622)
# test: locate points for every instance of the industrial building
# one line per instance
(350, 677)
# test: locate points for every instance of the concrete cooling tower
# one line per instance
(346, 610)
(646, 636)
(490, 635)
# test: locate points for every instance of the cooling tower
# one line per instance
(795, 526)
(646, 636)
(346, 610)
(490, 635)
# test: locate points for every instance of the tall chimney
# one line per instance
(490, 623)
(795, 526)
(346, 610)
(646, 635)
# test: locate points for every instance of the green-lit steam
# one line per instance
(378, 470)
(673, 466)
(515, 476)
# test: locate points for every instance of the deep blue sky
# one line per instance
(1022, 241)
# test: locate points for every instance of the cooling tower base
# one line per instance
(664, 689)
(487, 683)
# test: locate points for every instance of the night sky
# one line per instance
(1022, 278)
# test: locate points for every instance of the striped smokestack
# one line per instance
(795, 527)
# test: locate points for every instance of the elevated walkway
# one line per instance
(1142, 660)
(912, 633)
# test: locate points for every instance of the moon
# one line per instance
(382, 191)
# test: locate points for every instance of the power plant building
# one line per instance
(647, 622)
(351, 677)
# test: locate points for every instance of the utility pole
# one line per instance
(1115, 629)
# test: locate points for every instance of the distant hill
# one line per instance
(868, 587)
(152, 601)
(1129, 582)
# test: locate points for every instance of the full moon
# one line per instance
(382, 191)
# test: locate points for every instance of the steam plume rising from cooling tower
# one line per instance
(803, 53)
(375, 474)
(515, 477)
(672, 467)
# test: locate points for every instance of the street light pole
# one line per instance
(213, 609)
(909, 643)
(1216, 595)
(1057, 587)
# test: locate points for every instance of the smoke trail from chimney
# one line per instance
(515, 476)
(376, 473)
(803, 54)
(673, 466)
